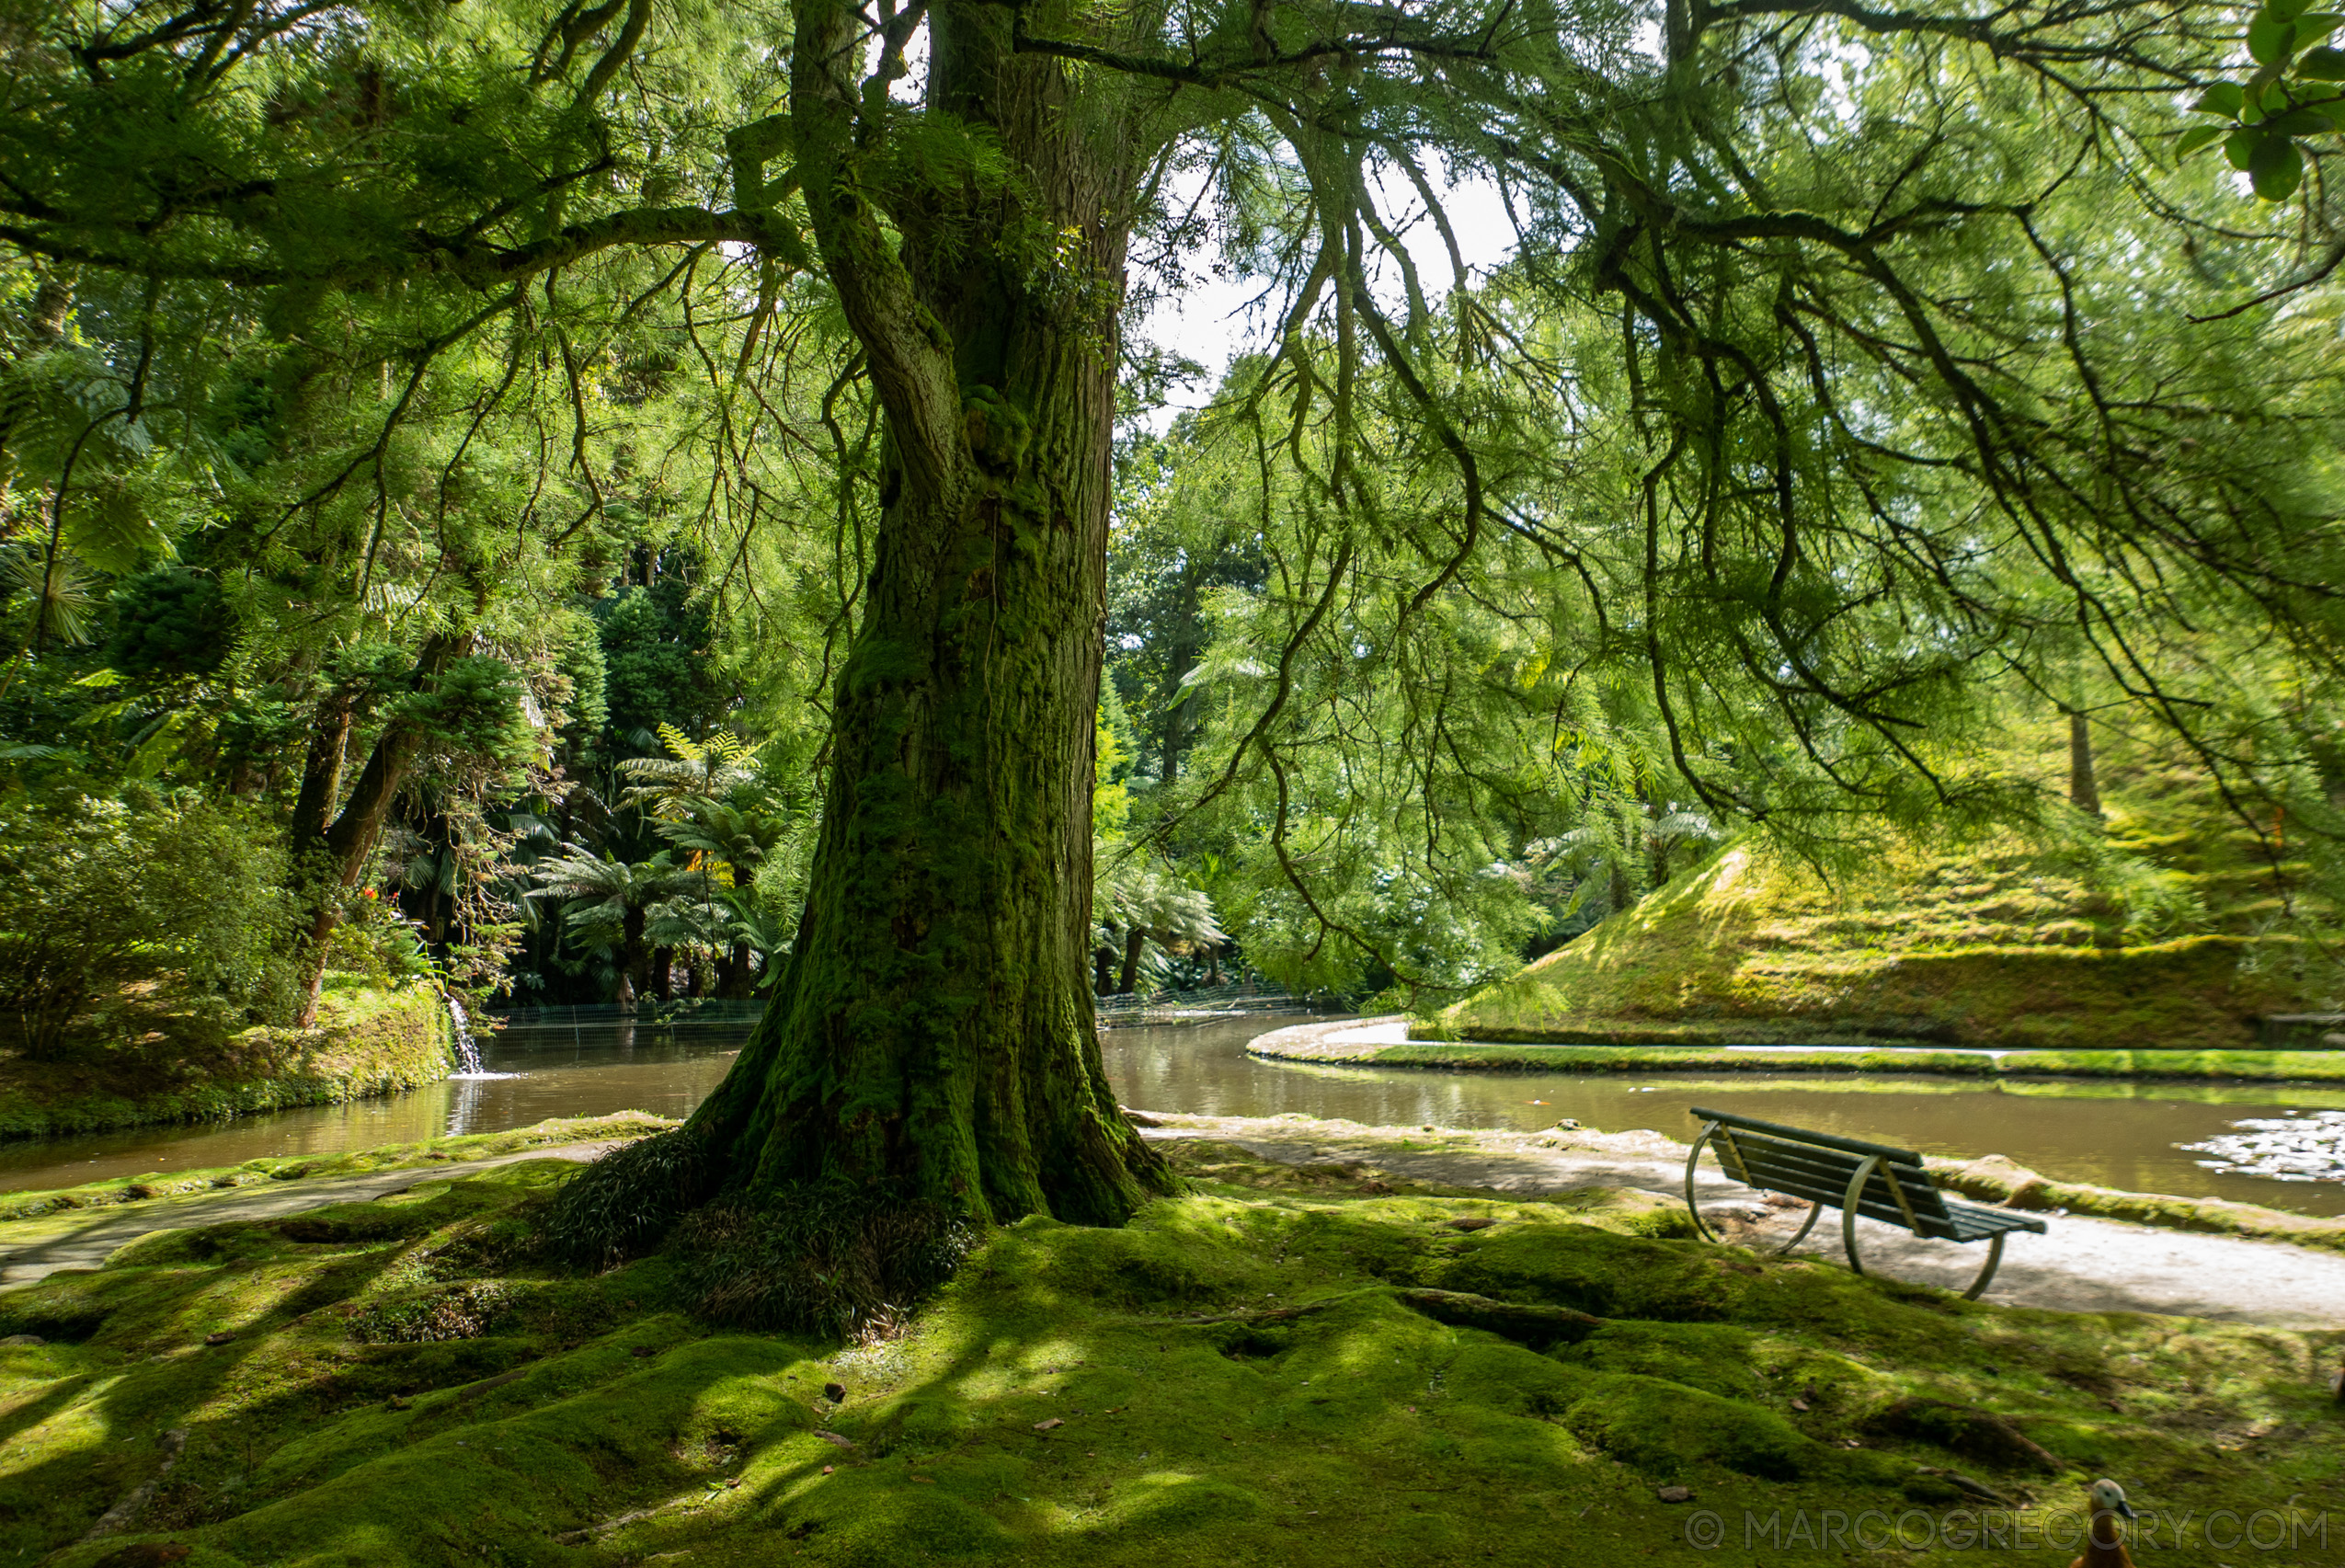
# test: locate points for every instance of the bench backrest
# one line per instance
(1819, 1166)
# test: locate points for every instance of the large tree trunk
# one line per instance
(934, 1031)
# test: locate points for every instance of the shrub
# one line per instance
(832, 1257)
(95, 895)
(625, 1203)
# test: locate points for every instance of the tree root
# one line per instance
(1960, 1428)
(122, 1515)
(1513, 1319)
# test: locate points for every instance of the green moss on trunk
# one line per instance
(931, 1036)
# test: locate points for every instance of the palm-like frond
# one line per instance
(61, 590)
(741, 839)
(695, 772)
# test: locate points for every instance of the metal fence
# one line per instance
(2303, 1031)
(1202, 1006)
(659, 1015)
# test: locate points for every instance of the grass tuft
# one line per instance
(833, 1258)
(625, 1204)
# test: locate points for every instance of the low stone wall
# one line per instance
(1395, 1042)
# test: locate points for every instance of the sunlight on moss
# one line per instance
(1238, 1377)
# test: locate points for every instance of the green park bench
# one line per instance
(1853, 1176)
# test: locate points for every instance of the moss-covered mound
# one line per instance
(370, 1040)
(1288, 1367)
(2158, 935)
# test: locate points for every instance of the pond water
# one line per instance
(2112, 1134)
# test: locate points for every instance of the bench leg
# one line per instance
(1849, 1211)
(1692, 1157)
(1994, 1261)
(1814, 1211)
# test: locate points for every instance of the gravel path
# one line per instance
(2081, 1265)
(89, 1242)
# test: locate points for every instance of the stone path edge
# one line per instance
(1390, 1041)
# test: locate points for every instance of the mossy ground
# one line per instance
(1233, 1378)
(2169, 926)
(168, 1065)
(1743, 950)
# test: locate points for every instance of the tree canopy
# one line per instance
(420, 404)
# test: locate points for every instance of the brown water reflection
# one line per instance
(2118, 1135)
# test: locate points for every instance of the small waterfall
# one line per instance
(467, 1053)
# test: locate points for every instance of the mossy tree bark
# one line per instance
(932, 1032)
(332, 846)
(2084, 790)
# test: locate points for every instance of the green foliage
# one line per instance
(2273, 112)
(170, 623)
(371, 940)
(97, 894)
(474, 707)
(655, 658)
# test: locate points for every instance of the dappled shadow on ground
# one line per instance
(1282, 1368)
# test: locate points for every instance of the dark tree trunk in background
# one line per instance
(2084, 790)
(330, 847)
(1134, 942)
(934, 1033)
(733, 977)
(635, 958)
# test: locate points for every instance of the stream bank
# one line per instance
(369, 1043)
(1395, 1040)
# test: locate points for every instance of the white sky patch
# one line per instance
(1216, 319)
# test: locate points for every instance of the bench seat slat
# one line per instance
(1782, 1160)
(1824, 1164)
(1821, 1140)
(1975, 1223)
(1872, 1204)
